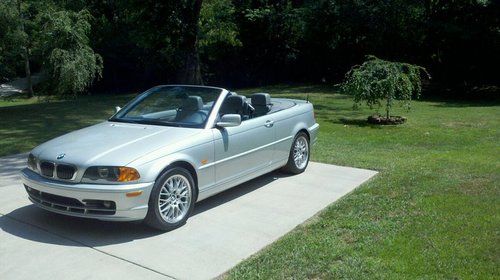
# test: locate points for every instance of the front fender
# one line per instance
(151, 170)
(196, 156)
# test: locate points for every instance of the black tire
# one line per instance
(291, 166)
(154, 218)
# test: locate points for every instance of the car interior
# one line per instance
(260, 104)
(193, 110)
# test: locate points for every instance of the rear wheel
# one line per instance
(299, 154)
(172, 200)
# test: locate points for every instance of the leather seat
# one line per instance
(190, 110)
(262, 104)
(236, 104)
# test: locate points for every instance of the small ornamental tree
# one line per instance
(379, 83)
(70, 60)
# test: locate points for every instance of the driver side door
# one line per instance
(243, 150)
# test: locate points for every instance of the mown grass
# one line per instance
(5, 102)
(26, 123)
(432, 212)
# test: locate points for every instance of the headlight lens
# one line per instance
(110, 174)
(32, 162)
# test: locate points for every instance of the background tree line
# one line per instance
(132, 44)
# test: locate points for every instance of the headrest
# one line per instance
(234, 104)
(192, 103)
(236, 100)
(261, 99)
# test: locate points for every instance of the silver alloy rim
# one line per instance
(301, 152)
(174, 198)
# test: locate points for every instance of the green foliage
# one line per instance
(280, 26)
(10, 36)
(71, 62)
(378, 81)
(217, 24)
(249, 42)
(157, 38)
(57, 42)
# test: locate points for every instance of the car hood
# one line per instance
(111, 143)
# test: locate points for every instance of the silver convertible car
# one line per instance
(168, 148)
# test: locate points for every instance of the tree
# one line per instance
(272, 35)
(71, 62)
(254, 42)
(378, 81)
(166, 37)
(10, 36)
(190, 73)
(218, 40)
(26, 50)
(16, 39)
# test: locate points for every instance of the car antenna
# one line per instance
(307, 97)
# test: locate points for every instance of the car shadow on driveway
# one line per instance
(76, 231)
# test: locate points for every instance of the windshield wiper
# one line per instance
(123, 121)
(151, 122)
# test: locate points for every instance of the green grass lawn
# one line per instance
(433, 211)
(17, 101)
(26, 123)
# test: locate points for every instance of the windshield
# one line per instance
(184, 106)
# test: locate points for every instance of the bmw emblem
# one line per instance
(60, 156)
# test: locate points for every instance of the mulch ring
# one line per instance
(378, 119)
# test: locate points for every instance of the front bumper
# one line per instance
(65, 198)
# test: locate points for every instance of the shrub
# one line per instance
(379, 83)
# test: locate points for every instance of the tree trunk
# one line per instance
(388, 107)
(26, 55)
(28, 72)
(190, 72)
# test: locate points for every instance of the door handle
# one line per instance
(269, 123)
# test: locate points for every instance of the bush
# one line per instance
(379, 83)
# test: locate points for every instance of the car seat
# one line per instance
(262, 104)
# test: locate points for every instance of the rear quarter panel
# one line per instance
(288, 123)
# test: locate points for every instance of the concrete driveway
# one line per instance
(223, 231)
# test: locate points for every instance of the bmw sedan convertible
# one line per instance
(168, 148)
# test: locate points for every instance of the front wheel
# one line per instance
(299, 154)
(172, 200)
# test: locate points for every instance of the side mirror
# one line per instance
(229, 120)
(117, 109)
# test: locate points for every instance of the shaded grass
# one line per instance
(5, 102)
(26, 123)
(432, 212)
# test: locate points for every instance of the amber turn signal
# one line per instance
(134, 194)
(128, 174)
